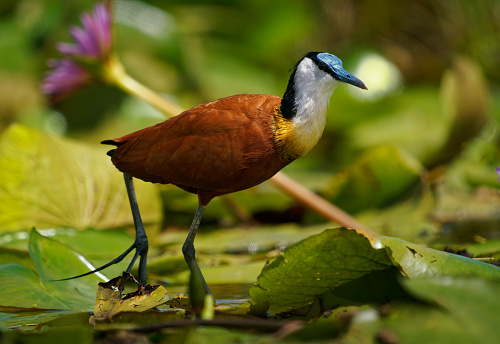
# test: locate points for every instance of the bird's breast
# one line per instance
(295, 137)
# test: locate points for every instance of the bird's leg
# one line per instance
(188, 247)
(141, 240)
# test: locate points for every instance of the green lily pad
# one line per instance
(26, 288)
(416, 261)
(486, 249)
(472, 301)
(467, 312)
(98, 247)
(15, 256)
(229, 240)
(30, 318)
(314, 266)
(65, 334)
(242, 273)
(375, 179)
(343, 267)
(50, 181)
(21, 287)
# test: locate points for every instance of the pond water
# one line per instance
(224, 294)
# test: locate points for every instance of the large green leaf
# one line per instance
(341, 266)
(49, 181)
(25, 288)
(98, 246)
(417, 261)
(314, 266)
(94, 243)
(21, 287)
(467, 312)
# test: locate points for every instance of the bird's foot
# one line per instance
(141, 247)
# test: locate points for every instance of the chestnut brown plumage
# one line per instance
(213, 149)
(227, 145)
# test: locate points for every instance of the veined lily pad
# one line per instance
(26, 288)
(50, 181)
(313, 272)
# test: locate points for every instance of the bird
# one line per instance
(227, 145)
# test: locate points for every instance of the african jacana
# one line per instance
(228, 145)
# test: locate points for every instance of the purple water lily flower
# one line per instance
(93, 44)
(66, 76)
(94, 40)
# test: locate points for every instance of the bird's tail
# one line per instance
(112, 143)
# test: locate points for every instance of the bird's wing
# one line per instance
(202, 147)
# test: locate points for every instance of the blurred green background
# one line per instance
(413, 157)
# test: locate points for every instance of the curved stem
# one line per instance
(317, 203)
(118, 76)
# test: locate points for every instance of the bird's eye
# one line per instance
(322, 65)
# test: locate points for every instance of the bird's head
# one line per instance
(312, 82)
(332, 65)
(304, 104)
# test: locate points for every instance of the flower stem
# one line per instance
(318, 204)
(118, 76)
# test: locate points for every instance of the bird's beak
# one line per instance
(348, 78)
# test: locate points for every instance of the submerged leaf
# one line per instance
(49, 181)
(11, 317)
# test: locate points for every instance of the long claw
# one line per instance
(113, 262)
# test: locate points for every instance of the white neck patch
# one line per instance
(313, 89)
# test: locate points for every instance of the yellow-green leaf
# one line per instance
(111, 301)
(49, 181)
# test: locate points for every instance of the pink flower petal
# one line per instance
(68, 49)
(91, 41)
(66, 76)
(94, 39)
